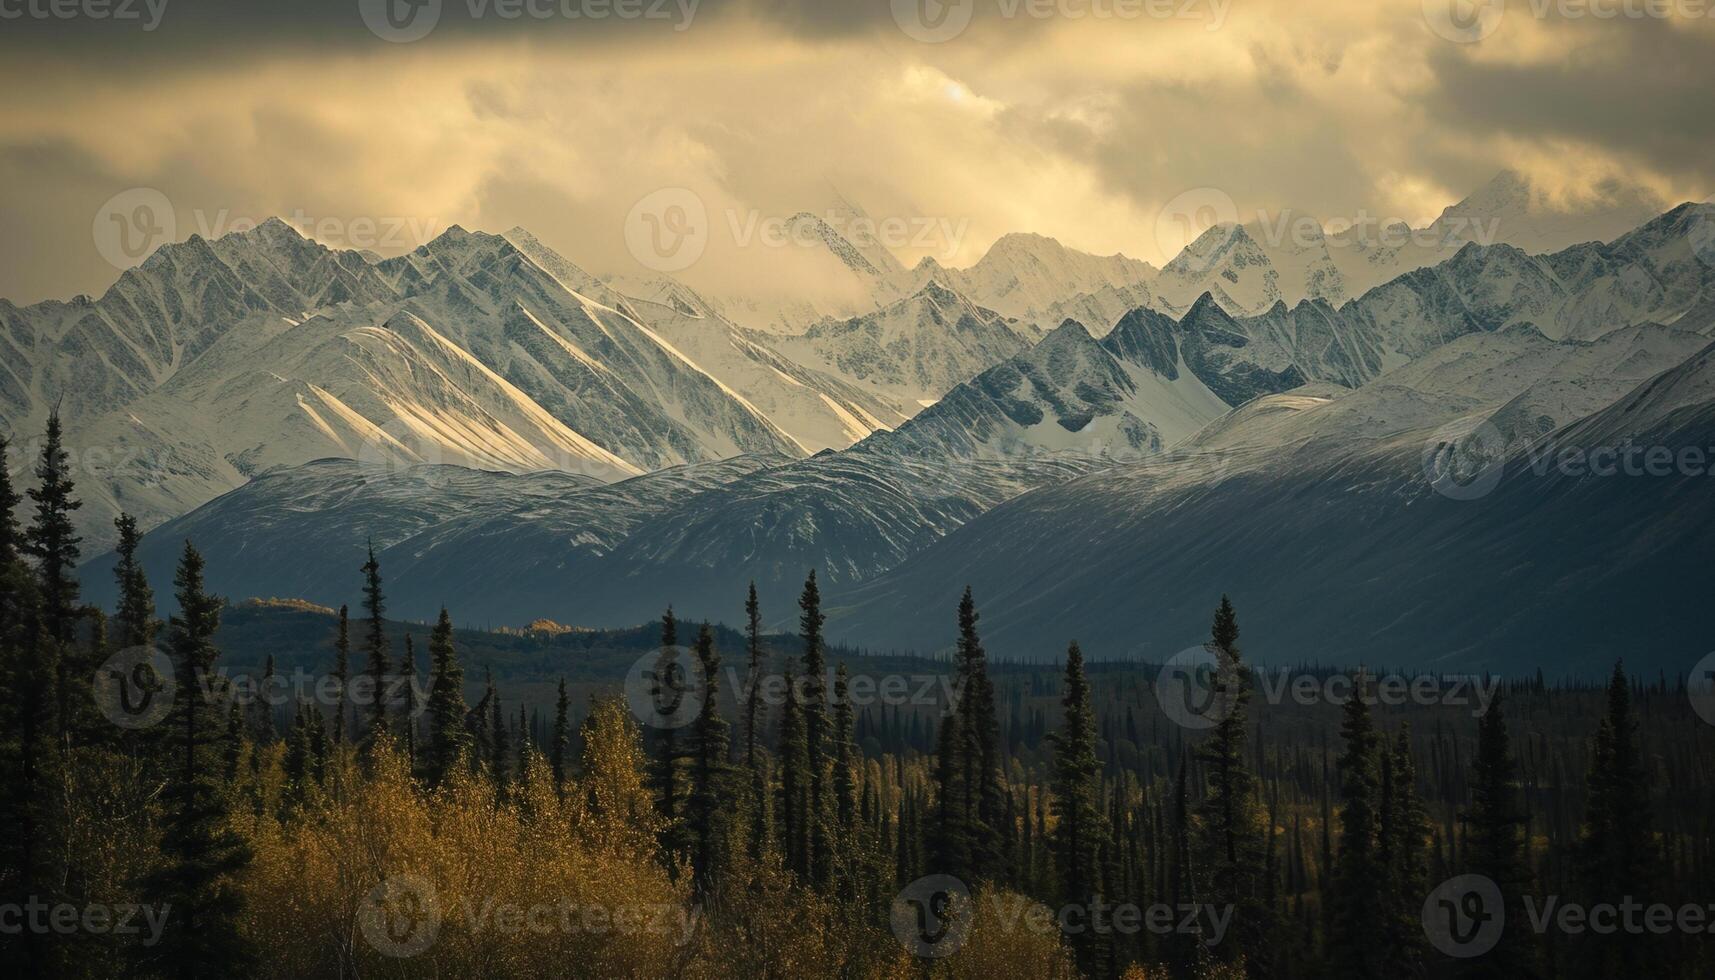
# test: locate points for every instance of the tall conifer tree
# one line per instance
(201, 852)
(379, 669)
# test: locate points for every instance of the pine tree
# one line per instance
(52, 540)
(408, 724)
(949, 839)
(845, 754)
(1617, 855)
(28, 673)
(134, 623)
(669, 688)
(378, 668)
(1357, 919)
(979, 739)
(201, 854)
(341, 673)
(1495, 844)
(561, 740)
(709, 800)
(753, 650)
(815, 710)
(1231, 842)
(499, 745)
(1404, 827)
(794, 835)
(449, 737)
(1077, 836)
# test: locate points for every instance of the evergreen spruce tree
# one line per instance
(949, 839)
(846, 758)
(200, 852)
(754, 665)
(341, 673)
(1354, 947)
(670, 686)
(28, 763)
(709, 801)
(1494, 846)
(1405, 827)
(408, 724)
(1230, 843)
(1079, 832)
(134, 623)
(52, 540)
(794, 835)
(561, 740)
(1617, 855)
(815, 709)
(378, 669)
(449, 735)
(499, 745)
(979, 738)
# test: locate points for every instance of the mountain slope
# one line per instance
(1314, 511)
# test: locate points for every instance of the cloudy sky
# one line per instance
(1078, 119)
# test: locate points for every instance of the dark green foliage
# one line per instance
(1354, 942)
(200, 853)
(378, 670)
(134, 623)
(710, 798)
(342, 672)
(449, 737)
(1230, 845)
(1078, 835)
(815, 709)
(561, 740)
(1495, 844)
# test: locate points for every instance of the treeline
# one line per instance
(1031, 825)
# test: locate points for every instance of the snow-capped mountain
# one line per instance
(465, 351)
(1315, 511)
(1038, 280)
(819, 410)
(512, 548)
(1289, 256)
(1127, 395)
(911, 352)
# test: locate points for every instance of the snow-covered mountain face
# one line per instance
(1317, 511)
(215, 361)
(512, 548)
(910, 353)
(1289, 256)
(1042, 282)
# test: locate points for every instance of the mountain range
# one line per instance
(521, 438)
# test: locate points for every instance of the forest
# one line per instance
(822, 816)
